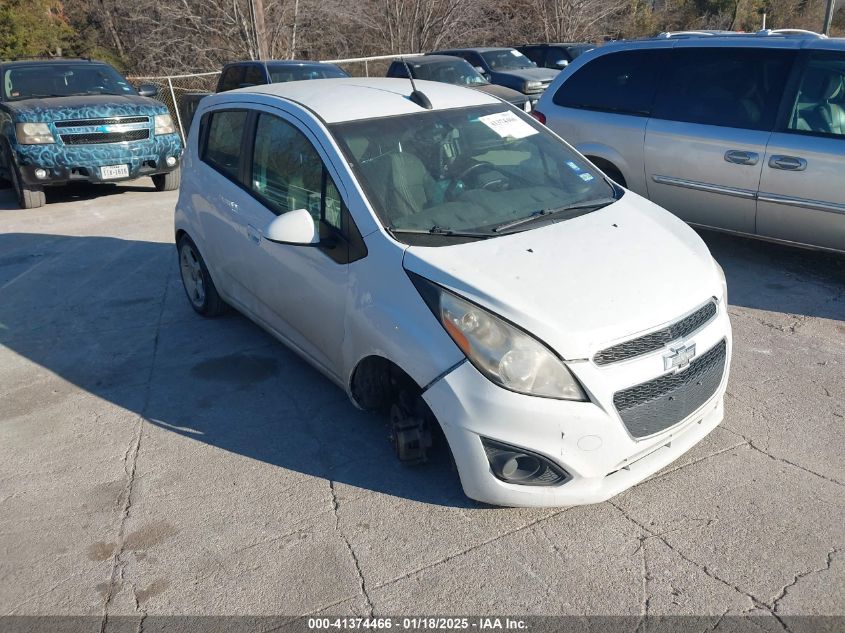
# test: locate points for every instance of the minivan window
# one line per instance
(223, 145)
(467, 170)
(622, 82)
(288, 173)
(728, 87)
(820, 104)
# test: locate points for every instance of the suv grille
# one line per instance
(658, 339)
(656, 405)
(112, 121)
(97, 138)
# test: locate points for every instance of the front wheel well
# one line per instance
(608, 168)
(377, 381)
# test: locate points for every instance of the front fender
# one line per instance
(600, 150)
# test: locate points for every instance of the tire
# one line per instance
(169, 181)
(28, 197)
(199, 287)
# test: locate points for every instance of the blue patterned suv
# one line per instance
(72, 120)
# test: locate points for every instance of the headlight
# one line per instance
(164, 124)
(724, 282)
(34, 133)
(533, 85)
(502, 352)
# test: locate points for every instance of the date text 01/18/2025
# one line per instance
(418, 623)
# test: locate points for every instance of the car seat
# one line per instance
(816, 110)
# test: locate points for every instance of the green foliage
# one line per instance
(32, 27)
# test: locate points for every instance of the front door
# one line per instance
(706, 140)
(802, 189)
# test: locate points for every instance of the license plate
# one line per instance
(109, 172)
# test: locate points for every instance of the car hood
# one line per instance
(83, 107)
(502, 92)
(581, 284)
(530, 74)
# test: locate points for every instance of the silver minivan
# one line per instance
(741, 133)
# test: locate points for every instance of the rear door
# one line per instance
(802, 189)
(706, 140)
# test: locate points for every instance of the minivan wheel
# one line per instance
(197, 282)
(28, 197)
(169, 181)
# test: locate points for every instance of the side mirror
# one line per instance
(561, 63)
(147, 90)
(294, 227)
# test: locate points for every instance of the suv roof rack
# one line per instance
(791, 33)
(47, 58)
(672, 34)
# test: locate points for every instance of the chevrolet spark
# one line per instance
(449, 261)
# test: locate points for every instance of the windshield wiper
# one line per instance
(545, 213)
(440, 231)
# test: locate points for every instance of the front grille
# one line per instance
(97, 138)
(112, 121)
(656, 340)
(655, 405)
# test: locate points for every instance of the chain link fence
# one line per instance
(182, 93)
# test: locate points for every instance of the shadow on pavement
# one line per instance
(74, 192)
(92, 310)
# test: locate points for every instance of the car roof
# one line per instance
(474, 49)
(734, 40)
(60, 60)
(356, 98)
(430, 59)
(550, 44)
(279, 62)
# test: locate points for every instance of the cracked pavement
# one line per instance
(154, 463)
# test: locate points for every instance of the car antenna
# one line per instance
(417, 96)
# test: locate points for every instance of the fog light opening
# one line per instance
(514, 465)
(40, 173)
(171, 161)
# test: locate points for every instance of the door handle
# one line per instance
(739, 157)
(788, 163)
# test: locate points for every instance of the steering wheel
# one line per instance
(471, 170)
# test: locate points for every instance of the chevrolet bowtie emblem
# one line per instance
(679, 356)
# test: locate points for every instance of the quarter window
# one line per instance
(288, 174)
(728, 87)
(820, 105)
(622, 82)
(223, 146)
(232, 78)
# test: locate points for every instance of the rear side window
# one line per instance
(819, 107)
(622, 82)
(253, 76)
(739, 88)
(223, 144)
(231, 78)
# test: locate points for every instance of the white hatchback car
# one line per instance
(448, 260)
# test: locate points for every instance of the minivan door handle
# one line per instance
(739, 157)
(788, 163)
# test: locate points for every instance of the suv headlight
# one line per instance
(34, 134)
(164, 124)
(502, 352)
(533, 85)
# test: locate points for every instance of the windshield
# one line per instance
(458, 72)
(507, 59)
(281, 74)
(472, 170)
(63, 80)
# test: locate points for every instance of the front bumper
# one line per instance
(73, 163)
(587, 439)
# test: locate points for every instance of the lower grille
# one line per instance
(652, 406)
(98, 138)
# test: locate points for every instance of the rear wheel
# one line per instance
(169, 181)
(29, 197)
(197, 282)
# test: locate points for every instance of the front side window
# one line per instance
(506, 59)
(223, 144)
(622, 82)
(728, 87)
(288, 173)
(31, 81)
(480, 170)
(820, 104)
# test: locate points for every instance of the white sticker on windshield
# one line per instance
(507, 125)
